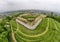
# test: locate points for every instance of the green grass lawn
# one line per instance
(39, 29)
(23, 34)
(47, 31)
(50, 26)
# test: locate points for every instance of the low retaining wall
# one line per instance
(28, 26)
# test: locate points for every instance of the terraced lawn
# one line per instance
(46, 31)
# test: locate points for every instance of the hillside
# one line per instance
(48, 29)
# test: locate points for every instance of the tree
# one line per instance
(8, 18)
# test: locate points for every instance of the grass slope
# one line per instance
(46, 31)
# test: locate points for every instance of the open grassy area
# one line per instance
(32, 32)
(48, 30)
(23, 34)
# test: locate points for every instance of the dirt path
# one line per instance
(13, 37)
(35, 35)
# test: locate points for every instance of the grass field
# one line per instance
(47, 31)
